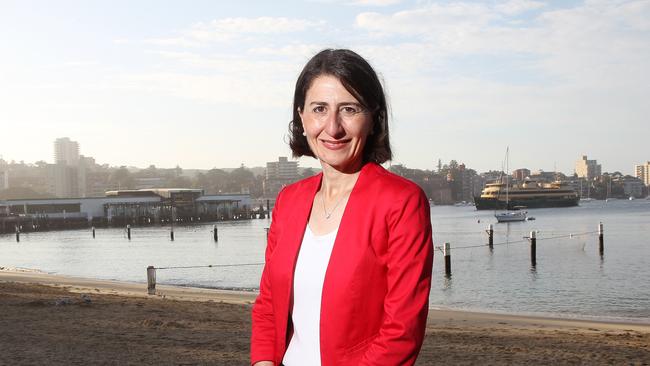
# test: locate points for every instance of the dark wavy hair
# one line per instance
(359, 78)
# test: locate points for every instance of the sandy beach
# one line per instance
(59, 320)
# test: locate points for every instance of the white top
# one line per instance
(314, 255)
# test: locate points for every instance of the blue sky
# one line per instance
(209, 84)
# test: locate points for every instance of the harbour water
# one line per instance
(570, 278)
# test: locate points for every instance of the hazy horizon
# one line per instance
(209, 84)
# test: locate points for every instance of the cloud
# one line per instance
(262, 25)
(290, 51)
(472, 65)
(596, 34)
(375, 2)
(236, 29)
(513, 7)
(437, 21)
(379, 3)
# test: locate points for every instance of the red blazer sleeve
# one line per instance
(410, 261)
(263, 328)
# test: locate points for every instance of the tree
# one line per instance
(121, 178)
(214, 181)
(240, 178)
(180, 182)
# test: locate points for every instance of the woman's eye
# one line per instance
(319, 109)
(350, 111)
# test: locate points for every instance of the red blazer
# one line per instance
(376, 291)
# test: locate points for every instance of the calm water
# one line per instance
(570, 279)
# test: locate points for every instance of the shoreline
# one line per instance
(56, 320)
(201, 294)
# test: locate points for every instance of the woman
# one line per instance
(349, 252)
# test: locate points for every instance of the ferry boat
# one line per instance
(529, 194)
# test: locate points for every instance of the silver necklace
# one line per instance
(329, 214)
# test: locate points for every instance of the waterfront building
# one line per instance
(279, 174)
(470, 184)
(520, 174)
(4, 179)
(632, 186)
(146, 206)
(64, 175)
(643, 173)
(4, 175)
(66, 151)
(63, 180)
(548, 177)
(491, 176)
(85, 180)
(588, 169)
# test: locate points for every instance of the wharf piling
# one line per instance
(17, 234)
(151, 280)
(215, 233)
(447, 255)
(601, 239)
(490, 232)
(171, 228)
(93, 232)
(533, 248)
(128, 231)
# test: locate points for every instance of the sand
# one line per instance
(58, 320)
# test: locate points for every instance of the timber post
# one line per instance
(447, 255)
(151, 280)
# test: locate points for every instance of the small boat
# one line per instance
(511, 216)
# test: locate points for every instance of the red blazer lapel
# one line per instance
(350, 245)
(286, 252)
(298, 223)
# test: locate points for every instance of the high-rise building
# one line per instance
(643, 172)
(63, 180)
(4, 175)
(66, 151)
(282, 169)
(63, 175)
(4, 179)
(278, 174)
(588, 169)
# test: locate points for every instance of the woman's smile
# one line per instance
(335, 144)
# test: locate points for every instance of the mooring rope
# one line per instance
(524, 240)
(213, 266)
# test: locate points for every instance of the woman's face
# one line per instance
(335, 123)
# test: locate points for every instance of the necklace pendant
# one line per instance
(327, 216)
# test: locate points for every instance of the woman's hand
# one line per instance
(264, 363)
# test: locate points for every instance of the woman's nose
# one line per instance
(333, 126)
